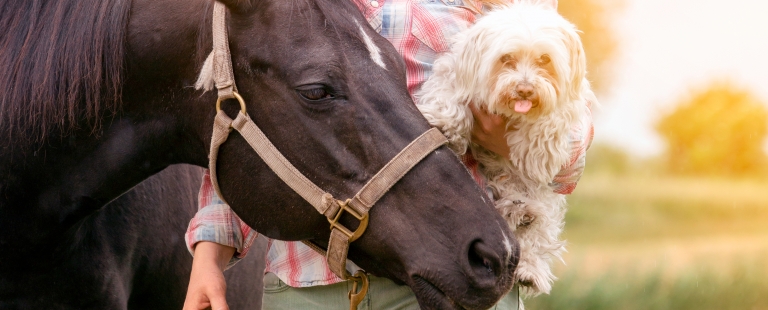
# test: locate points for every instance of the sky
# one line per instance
(667, 48)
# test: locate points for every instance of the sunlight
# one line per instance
(672, 209)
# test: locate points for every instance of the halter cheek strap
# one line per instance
(223, 76)
(358, 206)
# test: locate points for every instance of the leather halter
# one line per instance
(358, 206)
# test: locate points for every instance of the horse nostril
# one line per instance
(483, 261)
(488, 265)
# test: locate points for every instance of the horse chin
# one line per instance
(430, 296)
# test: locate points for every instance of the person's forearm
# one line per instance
(213, 253)
(207, 287)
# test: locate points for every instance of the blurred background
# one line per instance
(672, 210)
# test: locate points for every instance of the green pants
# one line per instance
(383, 294)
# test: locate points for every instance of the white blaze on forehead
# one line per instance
(372, 48)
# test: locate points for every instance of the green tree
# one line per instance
(718, 131)
(594, 19)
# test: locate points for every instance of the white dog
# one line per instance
(525, 62)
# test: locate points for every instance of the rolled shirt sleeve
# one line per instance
(581, 136)
(216, 222)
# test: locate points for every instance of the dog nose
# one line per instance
(524, 90)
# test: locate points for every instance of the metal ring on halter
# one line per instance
(239, 99)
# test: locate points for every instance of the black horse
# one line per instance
(96, 97)
(128, 254)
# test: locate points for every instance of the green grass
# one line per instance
(644, 242)
(745, 287)
(608, 208)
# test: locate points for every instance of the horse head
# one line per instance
(320, 83)
(330, 94)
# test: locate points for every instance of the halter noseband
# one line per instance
(358, 206)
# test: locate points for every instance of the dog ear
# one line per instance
(578, 61)
(549, 4)
(468, 66)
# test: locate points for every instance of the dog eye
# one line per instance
(508, 60)
(544, 59)
(315, 93)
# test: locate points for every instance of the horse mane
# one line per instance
(61, 64)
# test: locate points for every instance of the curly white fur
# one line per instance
(525, 62)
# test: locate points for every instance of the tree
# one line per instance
(594, 19)
(718, 131)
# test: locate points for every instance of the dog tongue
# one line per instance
(522, 106)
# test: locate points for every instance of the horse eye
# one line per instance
(314, 94)
(544, 59)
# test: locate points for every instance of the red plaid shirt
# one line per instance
(419, 30)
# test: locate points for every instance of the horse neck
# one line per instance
(51, 188)
(67, 180)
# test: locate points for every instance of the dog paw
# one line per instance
(533, 280)
(518, 213)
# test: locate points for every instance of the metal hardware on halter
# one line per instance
(236, 96)
(344, 206)
(354, 296)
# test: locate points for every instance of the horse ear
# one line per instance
(238, 5)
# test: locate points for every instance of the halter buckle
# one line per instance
(344, 206)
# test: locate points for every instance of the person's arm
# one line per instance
(580, 138)
(217, 239)
(207, 287)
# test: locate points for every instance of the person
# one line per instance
(296, 277)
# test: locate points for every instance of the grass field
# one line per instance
(636, 241)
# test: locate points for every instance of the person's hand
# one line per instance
(207, 287)
(489, 130)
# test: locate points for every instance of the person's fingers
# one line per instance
(214, 299)
(219, 302)
(479, 115)
(489, 131)
(216, 292)
(207, 290)
(196, 302)
(489, 123)
(476, 113)
(197, 298)
(475, 110)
